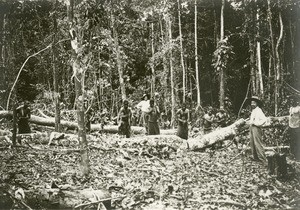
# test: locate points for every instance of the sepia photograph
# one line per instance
(149, 104)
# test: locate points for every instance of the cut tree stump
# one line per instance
(277, 164)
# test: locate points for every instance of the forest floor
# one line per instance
(152, 178)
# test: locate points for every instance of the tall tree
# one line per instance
(196, 56)
(222, 76)
(181, 53)
(278, 64)
(259, 76)
(117, 51)
(78, 67)
(55, 74)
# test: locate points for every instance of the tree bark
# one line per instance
(277, 74)
(118, 57)
(152, 65)
(181, 53)
(171, 73)
(222, 73)
(55, 75)
(196, 59)
(78, 74)
(258, 57)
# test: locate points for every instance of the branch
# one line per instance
(12, 88)
(42, 50)
(18, 201)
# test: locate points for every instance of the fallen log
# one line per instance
(56, 198)
(219, 135)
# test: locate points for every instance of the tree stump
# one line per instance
(277, 164)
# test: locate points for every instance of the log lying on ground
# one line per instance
(215, 136)
(73, 125)
(56, 198)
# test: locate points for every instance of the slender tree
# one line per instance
(55, 75)
(78, 77)
(222, 76)
(259, 82)
(181, 53)
(196, 57)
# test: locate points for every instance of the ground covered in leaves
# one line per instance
(143, 177)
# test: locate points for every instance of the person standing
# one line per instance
(294, 127)
(23, 116)
(183, 117)
(208, 119)
(144, 107)
(154, 115)
(221, 118)
(257, 120)
(124, 119)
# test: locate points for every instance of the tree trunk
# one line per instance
(215, 136)
(118, 57)
(181, 53)
(55, 75)
(172, 75)
(152, 65)
(260, 87)
(273, 56)
(196, 59)
(222, 73)
(79, 87)
(251, 33)
(278, 72)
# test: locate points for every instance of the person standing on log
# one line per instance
(257, 120)
(23, 116)
(154, 116)
(294, 127)
(124, 119)
(144, 107)
(183, 117)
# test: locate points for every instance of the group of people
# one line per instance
(149, 118)
(219, 119)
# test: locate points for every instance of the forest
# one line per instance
(75, 62)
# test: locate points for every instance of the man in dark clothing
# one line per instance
(23, 116)
(208, 119)
(153, 128)
(183, 116)
(124, 119)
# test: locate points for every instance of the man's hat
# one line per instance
(255, 98)
(145, 96)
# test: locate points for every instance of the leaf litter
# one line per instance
(151, 177)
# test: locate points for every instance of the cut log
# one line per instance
(219, 135)
(67, 198)
(49, 121)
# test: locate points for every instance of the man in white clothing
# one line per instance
(257, 120)
(144, 106)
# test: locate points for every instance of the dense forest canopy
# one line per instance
(126, 48)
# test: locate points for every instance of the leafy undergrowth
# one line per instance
(147, 178)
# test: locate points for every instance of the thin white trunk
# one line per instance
(196, 59)
(277, 76)
(172, 74)
(152, 65)
(181, 53)
(258, 57)
(222, 76)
